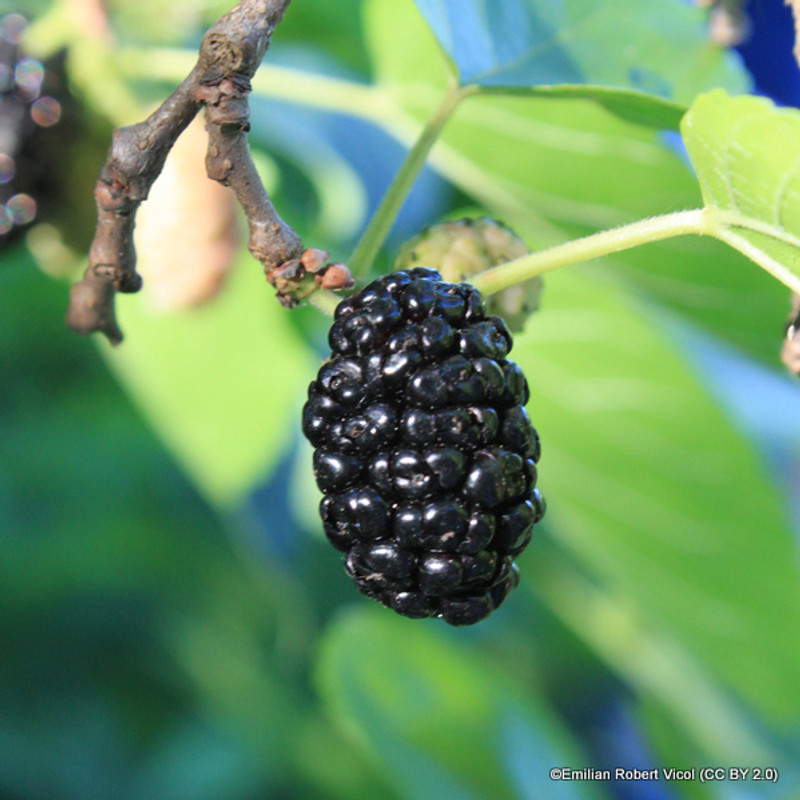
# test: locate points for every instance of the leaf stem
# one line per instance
(653, 229)
(381, 223)
(324, 301)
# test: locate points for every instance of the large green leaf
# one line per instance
(747, 156)
(573, 167)
(608, 42)
(658, 666)
(569, 162)
(655, 492)
(441, 722)
(222, 384)
(555, 170)
(625, 51)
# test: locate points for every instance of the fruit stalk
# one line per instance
(680, 223)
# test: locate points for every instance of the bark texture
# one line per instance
(229, 55)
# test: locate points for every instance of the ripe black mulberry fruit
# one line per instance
(423, 449)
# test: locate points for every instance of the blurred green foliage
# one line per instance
(174, 625)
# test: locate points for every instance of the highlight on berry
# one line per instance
(424, 451)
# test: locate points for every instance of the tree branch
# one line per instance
(228, 161)
(229, 56)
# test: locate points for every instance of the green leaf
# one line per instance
(629, 46)
(659, 667)
(558, 170)
(651, 488)
(713, 286)
(533, 163)
(221, 384)
(747, 156)
(442, 723)
(569, 162)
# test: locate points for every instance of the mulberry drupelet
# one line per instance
(424, 451)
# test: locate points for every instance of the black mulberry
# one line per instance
(424, 451)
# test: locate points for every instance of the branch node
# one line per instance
(91, 307)
(297, 278)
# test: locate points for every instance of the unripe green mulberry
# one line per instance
(465, 247)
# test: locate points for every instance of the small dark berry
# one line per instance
(384, 564)
(335, 470)
(413, 604)
(412, 477)
(419, 427)
(439, 574)
(448, 466)
(398, 367)
(362, 512)
(518, 434)
(514, 528)
(539, 505)
(508, 580)
(407, 527)
(487, 422)
(419, 299)
(445, 522)
(479, 568)
(494, 379)
(467, 610)
(480, 532)
(436, 336)
(489, 338)
(380, 475)
(486, 484)
(516, 388)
